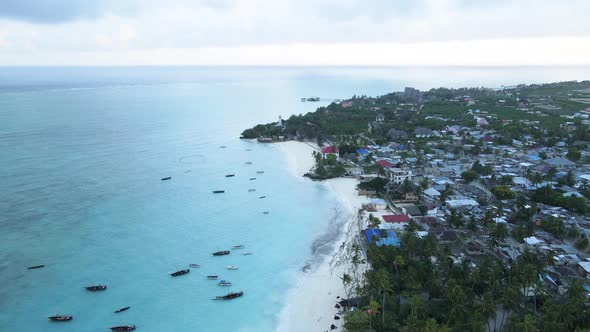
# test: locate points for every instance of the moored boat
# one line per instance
(60, 318)
(239, 246)
(35, 267)
(218, 191)
(121, 310)
(221, 253)
(224, 283)
(260, 172)
(251, 190)
(96, 288)
(230, 175)
(261, 197)
(252, 179)
(194, 265)
(230, 295)
(123, 328)
(180, 273)
(266, 212)
(232, 267)
(248, 163)
(166, 178)
(247, 253)
(213, 277)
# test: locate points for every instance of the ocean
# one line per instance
(82, 154)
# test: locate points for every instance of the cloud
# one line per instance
(29, 27)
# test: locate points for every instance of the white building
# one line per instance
(399, 175)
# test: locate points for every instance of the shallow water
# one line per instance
(82, 152)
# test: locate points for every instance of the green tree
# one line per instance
(573, 154)
(469, 176)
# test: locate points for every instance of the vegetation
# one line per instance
(418, 287)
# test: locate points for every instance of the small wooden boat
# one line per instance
(239, 246)
(252, 179)
(166, 178)
(230, 175)
(96, 288)
(247, 253)
(251, 190)
(196, 266)
(261, 197)
(230, 296)
(224, 283)
(35, 267)
(260, 172)
(60, 318)
(221, 253)
(121, 310)
(218, 191)
(123, 328)
(212, 277)
(232, 267)
(180, 273)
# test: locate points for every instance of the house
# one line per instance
(432, 193)
(355, 171)
(474, 248)
(396, 218)
(399, 175)
(560, 162)
(409, 209)
(384, 163)
(461, 203)
(379, 203)
(533, 241)
(380, 118)
(376, 235)
(584, 268)
(448, 236)
(331, 150)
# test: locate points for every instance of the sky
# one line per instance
(295, 32)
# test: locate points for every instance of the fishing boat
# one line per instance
(123, 328)
(166, 178)
(60, 318)
(239, 246)
(218, 191)
(230, 175)
(251, 190)
(260, 172)
(251, 179)
(232, 267)
(224, 283)
(35, 267)
(212, 277)
(96, 288)
(221, 253)
(196, 266)
(230, 296)
(261, 197)
(247, 253)
(121, 310)
(180, 273)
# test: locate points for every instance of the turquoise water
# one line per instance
(82, 151)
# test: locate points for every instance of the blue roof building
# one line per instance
(373, 234)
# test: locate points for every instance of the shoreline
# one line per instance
(310, 303)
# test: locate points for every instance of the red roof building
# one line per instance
(330, 149)
(384, 163)
(396, 218)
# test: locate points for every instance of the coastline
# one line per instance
(310, 304)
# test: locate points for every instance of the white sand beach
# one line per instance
(310, 304)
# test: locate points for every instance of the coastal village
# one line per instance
(479, 215)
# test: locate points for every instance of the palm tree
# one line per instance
(551, 172)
